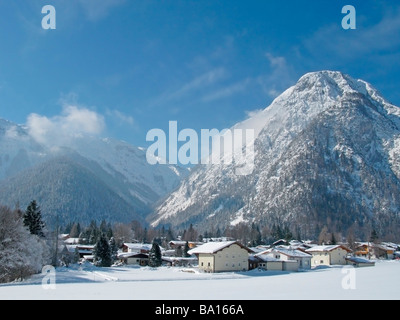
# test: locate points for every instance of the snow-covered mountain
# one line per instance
(327, 152)
(28, 170)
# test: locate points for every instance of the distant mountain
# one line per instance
(87, 178)
(327, 152)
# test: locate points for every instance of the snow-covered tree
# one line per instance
(113, 248)
(102, 252)
(155, 259)
(21, 253)
(33, 219)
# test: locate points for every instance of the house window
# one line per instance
(233, 265)
(226, 265)
(322, 261)
(202, 264)
(137, 260)
(209, 264)
(277, 256)
(239, 264)
(233, 257)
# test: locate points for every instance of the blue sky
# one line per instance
(119, 68)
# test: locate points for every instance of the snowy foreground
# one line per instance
(379, 282)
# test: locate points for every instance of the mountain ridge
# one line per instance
(360, 125)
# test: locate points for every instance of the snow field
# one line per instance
(381, 282)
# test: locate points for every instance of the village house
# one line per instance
(359, 262)
(134, 258)
(136, 247)
(270, 263)
(328, 255)
(174, 244)
(371, 250)
(302, 259)
(222, 256)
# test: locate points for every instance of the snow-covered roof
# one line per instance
(71, 241)
(213, 247)
(359, 260)
(327, 248)
(268, 258)
(138, 246)
(125, 255)
(292, 253)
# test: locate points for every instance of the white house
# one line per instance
(328, 255)
(302, 259)
(222, 256)
(136, 247)
(136, 258)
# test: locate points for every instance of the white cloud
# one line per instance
(60, 129)
(279, 78)
(276, 61)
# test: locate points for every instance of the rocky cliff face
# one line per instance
(327, 152)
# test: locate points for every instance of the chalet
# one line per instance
(179, 261)
(359, 262)
(136, 247)
(376, 251)
(174, 244)
(268, 262)
(302, 259)
(328, 255)
(134, 258)
(222, 256)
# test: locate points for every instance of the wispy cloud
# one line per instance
(120, 116)
(194, 86)
(332, 40)
(279, 78)
(227, 91)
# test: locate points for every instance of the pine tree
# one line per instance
(76, 256)
(185, 253)
(74, 231)
(333, 239)
(102, 252)
(155, 259)
(33, 219)
(113, 248)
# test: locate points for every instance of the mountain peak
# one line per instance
(335, 84)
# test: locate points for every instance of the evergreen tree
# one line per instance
(76, 256)
(114, 249)
(185, 253)
(155, 259)
(74, 231)
(169, 236)
(333, 239)
(102, 252)
(109, 232)
(374, 236)
(33, 219)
